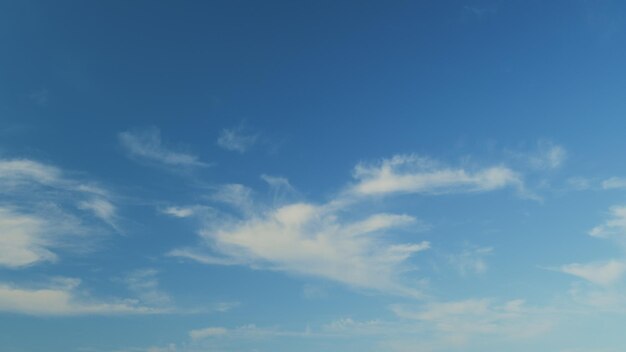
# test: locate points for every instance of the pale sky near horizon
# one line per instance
(338, 176)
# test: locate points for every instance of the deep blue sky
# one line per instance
(312, 176)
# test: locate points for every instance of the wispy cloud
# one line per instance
(608, 272)
(146, 144)
(249, 331)
(328, 240)
(614, 183)
(23, 241)
(62, 297)
(145, 285)
(236, 139)
(615, 227)
(39, 215)
(179, 212)
(548, 156)
(235, 195)
(203, 333)
(458, 321)
(471, 260)
(311, 240)
(601, 273)
(415, 174)
(101, 208)
(17, 172)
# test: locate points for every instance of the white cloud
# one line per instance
(311, 240)
(457, 321)
(101, 208)
(17, 172)
(277, 182)
(38, 212)
(195, 255)
(325, 240)
(614, 183)
(549, 156)
(414, 174)
(31, 237)
(235, 195)
(249, 331)
(179, 212)
(62, 297)
(236, 139)
(310, 291)
(145, 285)
(614, 227)
(471, 260)
(147, 144)
(604, 273)
(23, 241)
(207, 332)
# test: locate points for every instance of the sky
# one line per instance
(341, 176)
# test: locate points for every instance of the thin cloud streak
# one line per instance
(147, 145)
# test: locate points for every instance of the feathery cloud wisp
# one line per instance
(311, 240)
(414, 174)
(61, 297)
(38, 213)
(235, 139)
(147, 144)
(605, 273)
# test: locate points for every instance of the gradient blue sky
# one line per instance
(341, 176)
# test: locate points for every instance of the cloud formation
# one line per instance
(236, 139)
(614, 183)
(549, 156)
(615, 227)
(61, 298)
(40, 212)
(311, 240)
(601, 273)
(328, 240)
(147, 145)
(415, 174)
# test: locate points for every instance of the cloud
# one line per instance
(332, 240)
(101, 208)
(614, 183)
(457, 321)
(414, 174)
(313, 292)
(23, 241)
(236, 139)
(17, 172)
(179, 212)
(235, 195)
(195, 255)
(603, 273)
(38, 212)
(549, 156)
(207, 332)
(471, 260)
(145, 285)
(312, 240)
(61, 298)
(146, 144)
(614, 227)
(249, 331)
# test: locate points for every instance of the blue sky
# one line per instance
(333, 176)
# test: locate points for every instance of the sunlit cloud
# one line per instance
(415, 174)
